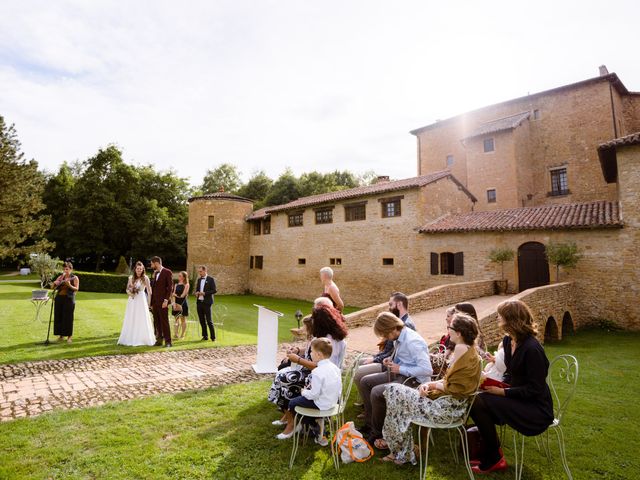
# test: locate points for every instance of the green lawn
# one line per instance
(225, 433)
(99, 318)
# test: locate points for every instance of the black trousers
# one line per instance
(204, 315)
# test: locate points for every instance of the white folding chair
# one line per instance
(335, 416)
(562, 370)
(219, 315)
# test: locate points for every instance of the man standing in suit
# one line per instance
(161, 290)
(205, 289)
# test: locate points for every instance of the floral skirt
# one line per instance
(287, 385)
(405, 405)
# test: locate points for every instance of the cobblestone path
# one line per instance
(31, 388)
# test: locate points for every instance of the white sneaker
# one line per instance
(278, 422)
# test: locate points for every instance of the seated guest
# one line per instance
(495, 369)
(398, 305)
(327, 322)
(330, 289)
(410, 359)
(325, 385)
(469, 309)
(440, 358)
(526, 405)
(405, 404)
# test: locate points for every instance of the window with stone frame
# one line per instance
(355, 212)
(450, 263)
(391, 207)
(302, 261)
(258, 262)
(251, 261)
(559, 182)
(211, 221)
(488, 145)
(335, 261)
(491, 195)
(387, 262)
(257, 230)
(296, 219)
(324, 215)
(266, 226)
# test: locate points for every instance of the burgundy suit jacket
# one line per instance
(162, 288)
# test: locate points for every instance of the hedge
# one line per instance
(102, 282)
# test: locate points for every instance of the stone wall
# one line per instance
(223, 248)
(435, 297)
(571, 124)
(557, 304)
(360, 245)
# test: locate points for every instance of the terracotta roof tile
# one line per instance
(220, 195)
(499, 125)
(632, 139)
(545, 217)
(366, 190)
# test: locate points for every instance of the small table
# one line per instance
(39, 303)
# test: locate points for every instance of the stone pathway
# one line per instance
(31, 388)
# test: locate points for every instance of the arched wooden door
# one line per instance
(533, 267)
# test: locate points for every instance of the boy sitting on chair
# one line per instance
(325, 386)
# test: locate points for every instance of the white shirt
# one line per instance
(158, 273)
(339, 351)
(326, 385)
(201, 289)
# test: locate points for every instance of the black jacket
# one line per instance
(209, 289)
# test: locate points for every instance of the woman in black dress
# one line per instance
(180, 306)
(66, 285)
(526, 405)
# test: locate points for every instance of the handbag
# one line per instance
(353, 447)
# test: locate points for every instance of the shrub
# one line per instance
(123, 267)
(102, 282)
(501, 255)
(564, 255)
(45, 267)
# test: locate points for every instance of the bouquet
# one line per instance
(133, 290)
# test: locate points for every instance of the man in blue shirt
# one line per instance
(409, 359)
(399, 306)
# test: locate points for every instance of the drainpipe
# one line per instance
(613, 112)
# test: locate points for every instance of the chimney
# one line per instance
(603, 70)
(382, 178)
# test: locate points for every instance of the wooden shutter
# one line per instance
(434, 263)
(458, 263)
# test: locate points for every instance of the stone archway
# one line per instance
(568, 327)
(533, 267)
(551, 333)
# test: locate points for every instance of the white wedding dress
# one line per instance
(137, 328)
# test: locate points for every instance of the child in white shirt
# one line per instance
(325, 385)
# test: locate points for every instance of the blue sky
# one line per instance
(289, 83)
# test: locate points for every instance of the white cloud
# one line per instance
(270, 84)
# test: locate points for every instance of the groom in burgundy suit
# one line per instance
(161, 290)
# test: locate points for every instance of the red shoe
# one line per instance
(498, 467)
(476, 461)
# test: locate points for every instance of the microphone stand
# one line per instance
(54, 293)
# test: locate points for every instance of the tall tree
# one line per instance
(58, 198)
(285, 189)
(257, 188)
(225, 176)
(22, 225)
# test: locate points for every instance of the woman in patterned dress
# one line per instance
(405, 404)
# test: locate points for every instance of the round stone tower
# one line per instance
(218, 237)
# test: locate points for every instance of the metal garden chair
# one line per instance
(452, 420)
(335, 416)
(219, 315)
(563, 370)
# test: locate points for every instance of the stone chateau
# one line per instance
(559, 165)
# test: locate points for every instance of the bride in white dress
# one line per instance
(137, 328)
